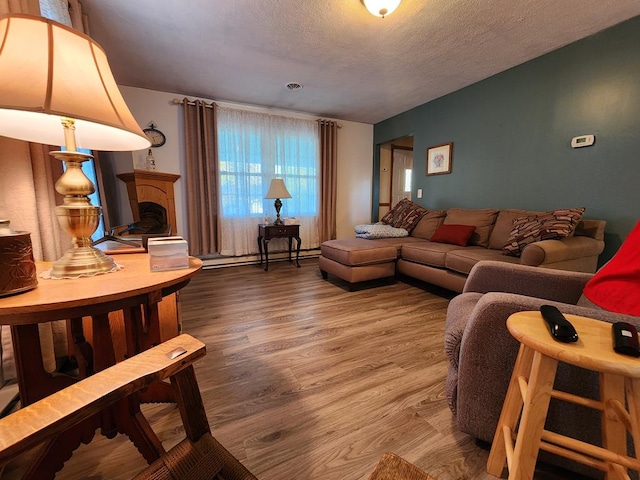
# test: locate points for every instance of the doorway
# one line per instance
(395, 176)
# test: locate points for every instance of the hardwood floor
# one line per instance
(306, 380)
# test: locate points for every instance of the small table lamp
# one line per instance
(56, 86)
(277, 190)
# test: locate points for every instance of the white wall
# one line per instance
(355, 158)
(355, 173)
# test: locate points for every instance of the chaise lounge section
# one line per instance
(499, 235)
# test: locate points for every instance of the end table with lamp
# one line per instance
(277, 190)
(268, 232)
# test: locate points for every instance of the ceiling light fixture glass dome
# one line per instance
(381, 8)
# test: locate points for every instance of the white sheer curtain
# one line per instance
(253, 148)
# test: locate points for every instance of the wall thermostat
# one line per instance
(583, 141)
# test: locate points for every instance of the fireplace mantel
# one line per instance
(154, 187)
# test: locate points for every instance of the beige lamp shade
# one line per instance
(49, 71)
(277, 189)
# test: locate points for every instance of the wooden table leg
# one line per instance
(125, 416)
(633, 400)
(534, 414)
(266, 255)
(82, 350)
(34, 382)
(144, 329)
(614, 432)
(298, 251)
(510, 412)
(260, 247)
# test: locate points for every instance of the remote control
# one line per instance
(560, 328)
(625, 339)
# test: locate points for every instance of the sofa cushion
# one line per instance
(462, 260)
(504, 224)
(483, 219)
(547, 226)
(453, 234)
(405, 214)
(428, 253)
(429, 223)
(396, 242)
(358, 251)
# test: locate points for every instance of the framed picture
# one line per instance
(439, 159)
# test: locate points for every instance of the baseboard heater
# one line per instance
(222, 261)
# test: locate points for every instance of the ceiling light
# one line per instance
(381, 8)
(294, 86)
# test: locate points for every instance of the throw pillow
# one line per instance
(405, 214)
(547, 226)
(615, 287)
(453, 234)
(504, 224)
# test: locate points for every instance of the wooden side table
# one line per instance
(268, 232)
(531, 389)
(135, 292)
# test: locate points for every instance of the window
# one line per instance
(407, 180)
(57, 10)
(254, 148)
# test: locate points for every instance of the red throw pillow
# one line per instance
(453, 234)
(616, 286)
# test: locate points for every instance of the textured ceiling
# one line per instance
(353, 66)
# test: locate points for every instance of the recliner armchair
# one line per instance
(482, 353)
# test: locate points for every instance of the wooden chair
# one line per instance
(393, 467)
(198, 457)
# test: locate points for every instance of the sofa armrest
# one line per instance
(546, 252)
(549, 284)
(487, 354)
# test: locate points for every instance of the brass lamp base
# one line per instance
(82, 261)
(278, 205)
(78, 217)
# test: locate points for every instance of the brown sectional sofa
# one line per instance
(357, 259)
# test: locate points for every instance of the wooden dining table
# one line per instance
(109, 317)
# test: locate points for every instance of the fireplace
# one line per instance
(152, 201)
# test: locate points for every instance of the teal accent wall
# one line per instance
(511, 135)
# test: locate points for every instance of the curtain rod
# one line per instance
(179, 101)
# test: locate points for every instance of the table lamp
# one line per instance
(277, 190)
(57, 87)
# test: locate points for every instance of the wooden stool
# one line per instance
(531, 389)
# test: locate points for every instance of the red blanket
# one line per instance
(616, 286)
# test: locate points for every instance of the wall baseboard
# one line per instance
(211, 262)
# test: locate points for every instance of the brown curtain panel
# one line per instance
(202, 177)
(328, 131)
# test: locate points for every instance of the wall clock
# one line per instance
(155, 136)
